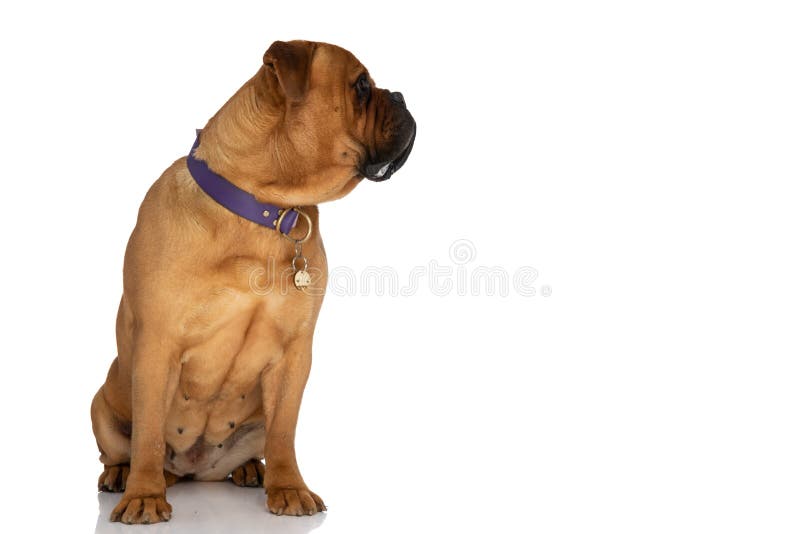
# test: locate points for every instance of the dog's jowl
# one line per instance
(223, 280)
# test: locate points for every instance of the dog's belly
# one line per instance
(217, 413)
(201, 433)
(205, 461)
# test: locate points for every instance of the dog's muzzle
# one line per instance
(383, 170)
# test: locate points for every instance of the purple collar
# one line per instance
(237, 200)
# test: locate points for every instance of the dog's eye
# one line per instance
(362, 87)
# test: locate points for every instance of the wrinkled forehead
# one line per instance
(330, 61)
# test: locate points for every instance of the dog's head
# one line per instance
(331, 125)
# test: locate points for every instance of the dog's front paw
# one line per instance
(293, 501)
(142, 510)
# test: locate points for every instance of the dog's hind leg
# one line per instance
(113, 434)
(114, 441)
(113, 437)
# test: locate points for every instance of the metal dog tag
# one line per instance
(302, 279)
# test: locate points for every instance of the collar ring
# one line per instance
(308, 222)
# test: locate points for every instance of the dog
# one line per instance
(209, 371)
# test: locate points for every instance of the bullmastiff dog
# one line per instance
(210, 369)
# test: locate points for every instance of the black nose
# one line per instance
(397, 98)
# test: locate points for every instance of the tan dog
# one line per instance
(210, 373)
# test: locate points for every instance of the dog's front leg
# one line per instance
(154, 378)
(282, 385)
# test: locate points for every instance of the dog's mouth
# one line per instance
(380, 172)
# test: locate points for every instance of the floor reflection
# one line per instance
(205, 507)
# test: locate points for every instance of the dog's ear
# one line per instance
(290, 64)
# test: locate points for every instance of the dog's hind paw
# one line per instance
(113, 478)
(250, 473)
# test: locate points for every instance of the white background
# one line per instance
(641, 156)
